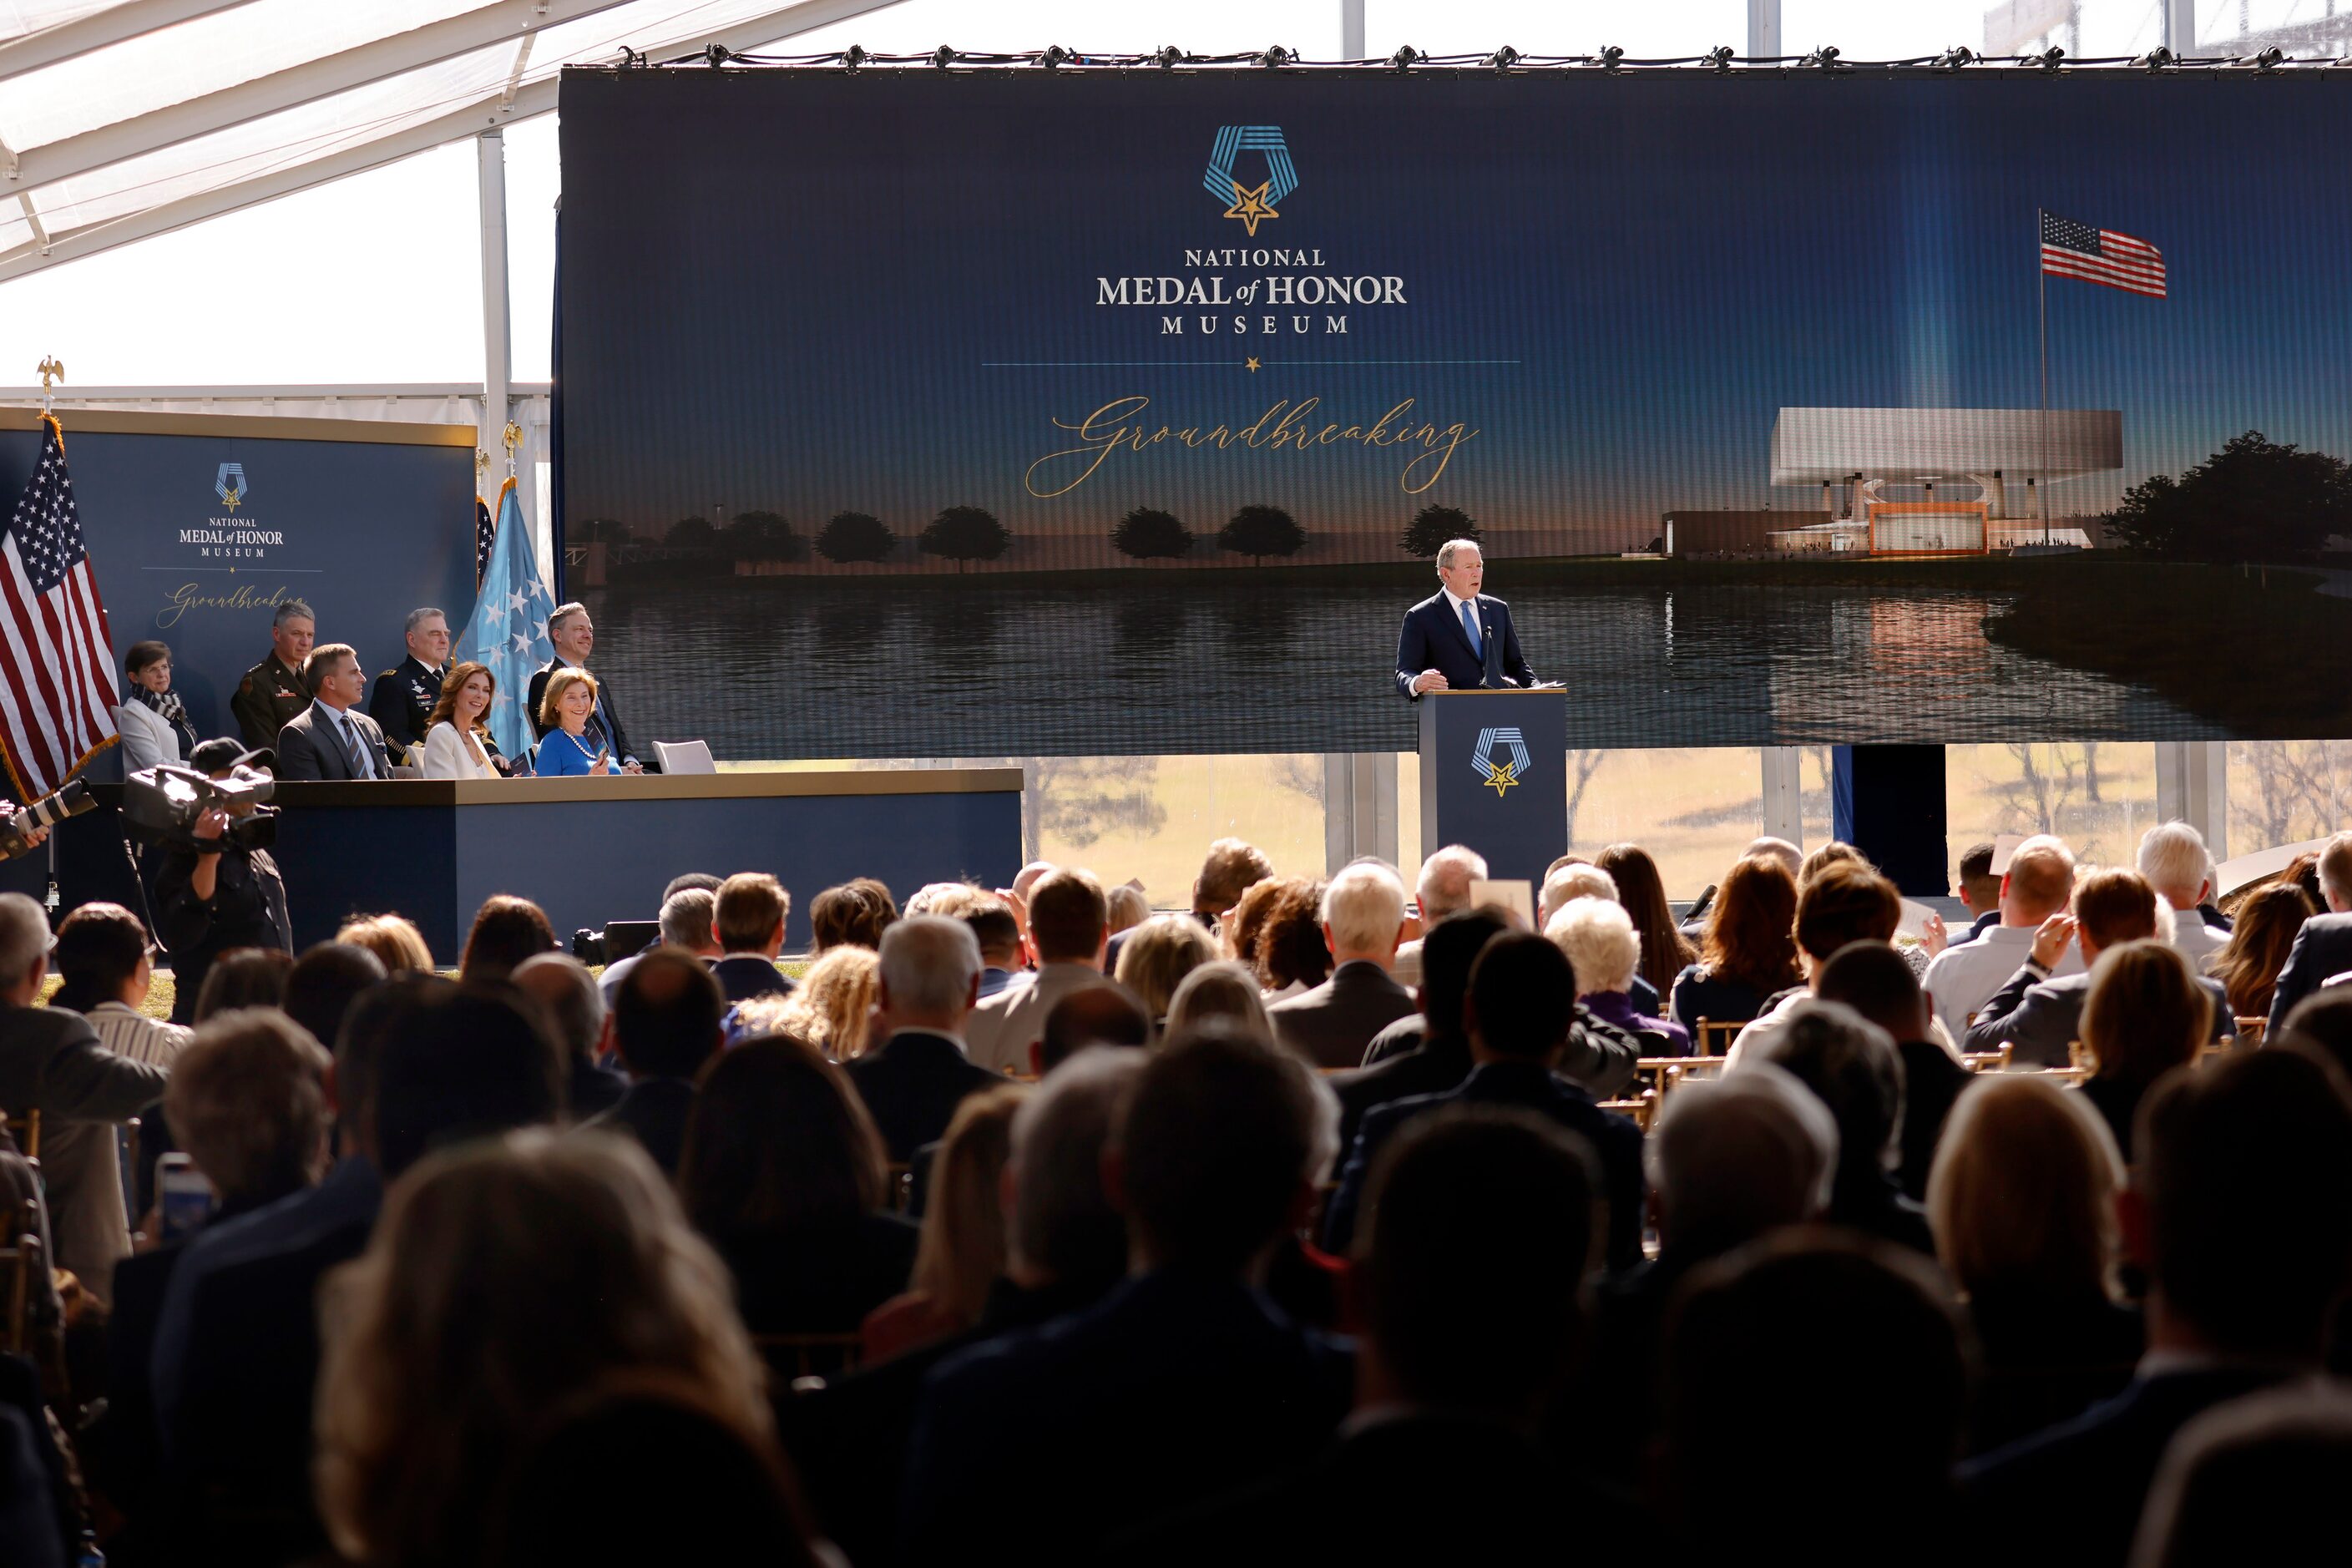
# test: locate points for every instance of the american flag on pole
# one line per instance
(486, 536)
(57, 692)
(2071, 249)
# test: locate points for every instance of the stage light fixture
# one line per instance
(1502, 60)
(632, 61)
(2268, 60)
(1274, 58)
(715, 55)
(1824, 58)
(1719, 58)
(1958, 56)
(1405, 58)
(1054, 57)
(2051, 59)
(853, 56)
(2156, 60)
(1610, 54)
(1170, 56)
(943, 57)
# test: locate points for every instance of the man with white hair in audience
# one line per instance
(51, 1064)
(1443, 890)
(689, 912)
(2173, 858)
(1729, 1160)
(1583, 879)
(926, 985)
(2036, 884)
(1364, 920)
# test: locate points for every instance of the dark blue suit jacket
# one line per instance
(2323, 948)
(1434, 640)
(1531, 1087)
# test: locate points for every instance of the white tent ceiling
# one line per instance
(124, 120)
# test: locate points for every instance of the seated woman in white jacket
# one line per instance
(458, 743)
(154, 726)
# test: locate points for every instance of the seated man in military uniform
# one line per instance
(272, 691)
(404, 695)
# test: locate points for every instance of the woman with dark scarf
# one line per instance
(154, 726)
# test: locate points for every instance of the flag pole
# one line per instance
(2041, 286)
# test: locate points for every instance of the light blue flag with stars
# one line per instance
(508, 631)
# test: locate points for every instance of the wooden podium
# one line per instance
(1494, 777)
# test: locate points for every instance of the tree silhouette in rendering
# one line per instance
(690, 533)
(2255, 500)
(1258, 531)
(964, 534)
(1146, 534)
(1432, 526)
(762, 536)
(854, 536)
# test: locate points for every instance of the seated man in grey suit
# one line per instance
(1069, 925)
(1444, 889)
(332, 739)
(1363, 919)
(2041, 1014)
(2323, 948)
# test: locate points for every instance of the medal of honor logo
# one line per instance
(1251, 204)
(229, 484)
(1502, 775)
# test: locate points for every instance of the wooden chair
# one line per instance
(792, 1357)
(1713, 1039)
(20, 1264)
(1990, 1061)
(26, 1131)
(1639, 1109)
(902, 1186)
(2250, 1032)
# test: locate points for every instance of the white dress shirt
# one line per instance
(1963, 978)
(143, 1039)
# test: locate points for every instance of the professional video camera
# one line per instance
(47, 812)
(162, 805)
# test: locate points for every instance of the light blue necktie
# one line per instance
(1470, 625)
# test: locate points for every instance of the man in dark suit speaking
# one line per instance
(1458, 638)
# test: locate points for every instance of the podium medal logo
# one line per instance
(229, 484)
(1502, 775)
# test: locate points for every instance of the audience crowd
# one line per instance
(1321, 1220)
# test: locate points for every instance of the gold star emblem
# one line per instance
(1251, 364)
(231, 498)
(1251, 206)
(1503, 776)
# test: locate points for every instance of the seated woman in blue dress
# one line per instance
(569, 750)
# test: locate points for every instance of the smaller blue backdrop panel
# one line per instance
(200, 526)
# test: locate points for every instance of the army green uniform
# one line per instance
(266, 699)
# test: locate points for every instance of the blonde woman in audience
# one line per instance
(2022, 1202)
(1129, 908)
(962, 1252)
(1157, 956)
(504, 1279)
(833, 1009)
(394, 939)
(1221, 990)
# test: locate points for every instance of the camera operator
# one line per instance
(223, 894)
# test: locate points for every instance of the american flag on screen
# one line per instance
(486, 536)
(57, 692)
(2071, 249)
